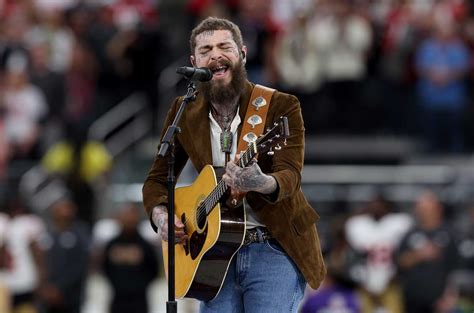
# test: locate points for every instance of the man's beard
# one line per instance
(217, 92)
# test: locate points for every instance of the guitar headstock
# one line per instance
(273, 137)
(267, 142)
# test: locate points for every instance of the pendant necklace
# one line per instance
(226, 136)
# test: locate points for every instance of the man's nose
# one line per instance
(216, 55)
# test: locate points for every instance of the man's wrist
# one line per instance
(269, 186)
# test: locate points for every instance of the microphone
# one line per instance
(202, 74)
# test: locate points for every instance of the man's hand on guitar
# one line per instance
(160, 218)
(250, 178)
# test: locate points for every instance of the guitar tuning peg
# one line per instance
(278, 147)
(271, 152)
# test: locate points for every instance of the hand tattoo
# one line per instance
(160, 218)
(249, 179)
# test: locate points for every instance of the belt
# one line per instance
(258, 234)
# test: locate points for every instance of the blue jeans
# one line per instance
(261, 279)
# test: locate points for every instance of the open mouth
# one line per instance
(219, 70)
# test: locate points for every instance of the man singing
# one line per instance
(281, 250)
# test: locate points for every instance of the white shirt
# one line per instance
(218, 157)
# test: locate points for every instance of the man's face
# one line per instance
(218, 51)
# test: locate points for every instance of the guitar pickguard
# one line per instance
(196, 242)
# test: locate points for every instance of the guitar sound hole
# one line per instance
(201, 219)
(201, 222)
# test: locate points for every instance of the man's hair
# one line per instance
(215, 23)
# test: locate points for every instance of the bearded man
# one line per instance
(281, 251)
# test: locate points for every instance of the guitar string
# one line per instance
(221, 187)
(205, 207)
(219, 190)
(216, 194)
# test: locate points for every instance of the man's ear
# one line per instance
(243, 53)
(193, 61)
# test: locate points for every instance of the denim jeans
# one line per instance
(261, 279)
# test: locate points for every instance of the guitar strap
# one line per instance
(254, 121)
(254, 124)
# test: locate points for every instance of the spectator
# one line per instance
(259, 31)
(300, 63)
(300, 68)
(59, 37)
(442, 62)
(80, 87)
(459, 294)
(426, 256)
(16, 25)
(400, 34)
(344, 38)
(66, 248)
(25, 108)
(23, 267)
(5, 260)
(4, 146)
(50, 82)
(136, 49)
(130, 264)
(376, 234)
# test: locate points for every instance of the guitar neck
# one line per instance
(216, 194)
(277, 134)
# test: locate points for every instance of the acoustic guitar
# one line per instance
(215, 230)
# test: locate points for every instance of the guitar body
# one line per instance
(202, 263)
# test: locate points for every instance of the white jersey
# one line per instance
(17, 234)
(379, 239)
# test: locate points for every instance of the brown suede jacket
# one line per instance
(288, 216)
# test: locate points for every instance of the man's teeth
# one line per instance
(220, 69)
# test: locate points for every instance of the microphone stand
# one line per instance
(167, 149)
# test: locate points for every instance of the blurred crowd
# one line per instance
(63, 64)
(396, 67)
(45, 261)
(381, 259)
(359, 67)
